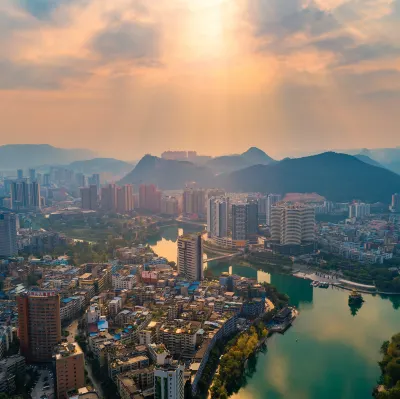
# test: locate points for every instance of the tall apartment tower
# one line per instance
(190, 256)
(39, 325)
(359, 210)
(239, 222)
(125, 198)
(395, 206)
(252, 220)
(262, 209)
(194, 201)
(8, 234)
(108, 200)
(19, 194)
(217, 217)
(89, 197)
(46, 179)
(20, 174)
(34, 195)
(150, 197)
(70, 368)
(292, 224)
(169, 382)
(32, 175)
(271, 201)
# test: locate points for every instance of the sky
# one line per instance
(128, 77)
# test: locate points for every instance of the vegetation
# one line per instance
(325, 174)
(231, 373)
(379, 275)
(277, 298)
(390, 367)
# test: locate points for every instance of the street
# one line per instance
(39, 390)
(73, 331)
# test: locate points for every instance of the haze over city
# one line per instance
(129, 77)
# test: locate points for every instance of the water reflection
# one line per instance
(328, 352)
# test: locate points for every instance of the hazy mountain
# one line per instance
(168, 174)
(338, 177)
(110, 166)
(22, 156)
(257, 157)
(230, 163)
(368, 160)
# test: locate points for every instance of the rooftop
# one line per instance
(67, 349)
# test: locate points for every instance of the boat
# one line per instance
(355, 298)
(324, 284)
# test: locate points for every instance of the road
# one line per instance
(38, 390)
(73, 331)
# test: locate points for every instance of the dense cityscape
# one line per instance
(89, 309)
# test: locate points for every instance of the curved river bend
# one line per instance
(328, 353)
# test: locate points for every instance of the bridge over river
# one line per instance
(224, 256)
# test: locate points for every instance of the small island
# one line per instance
(389, 382)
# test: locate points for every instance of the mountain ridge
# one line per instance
(338, 177)
(22, 156)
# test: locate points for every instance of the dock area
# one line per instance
(283, 320)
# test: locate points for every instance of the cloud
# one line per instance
(130, 40)
(43, 9)
(28, 75)
(280, 19)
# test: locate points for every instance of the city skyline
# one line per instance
(133, 77)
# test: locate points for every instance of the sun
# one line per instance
(206, 28)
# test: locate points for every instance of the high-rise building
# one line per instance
(39, 178)
(150, 198)
(239, 222)
(108, 200)
(252, 220)
(190, 256)
(262, 209)
(194, 202)
(32, 175)
(174, 155)
(169, 381)
(39, 325)
(20, 174)
(70, 368)
(215, 192)
(359, 210)
(395, 206)
(217, 217)
(169, 206)
(8, 234)
(89, 198)
(292, 224)
(46, 179)
(80, 179)
(34, 195)
(271, 201)
(125, 198)
(20, 195)
(95, 179)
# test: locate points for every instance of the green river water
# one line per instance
(328, 353)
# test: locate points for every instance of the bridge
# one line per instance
(192, 222)
(226, 256)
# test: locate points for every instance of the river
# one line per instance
(328, 352)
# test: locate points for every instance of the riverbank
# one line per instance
(340, 283)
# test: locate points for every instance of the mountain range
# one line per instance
(168, 174)
(338, 177)
(22, 156)
(230, 163)
(388, 158)
(111, 166)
